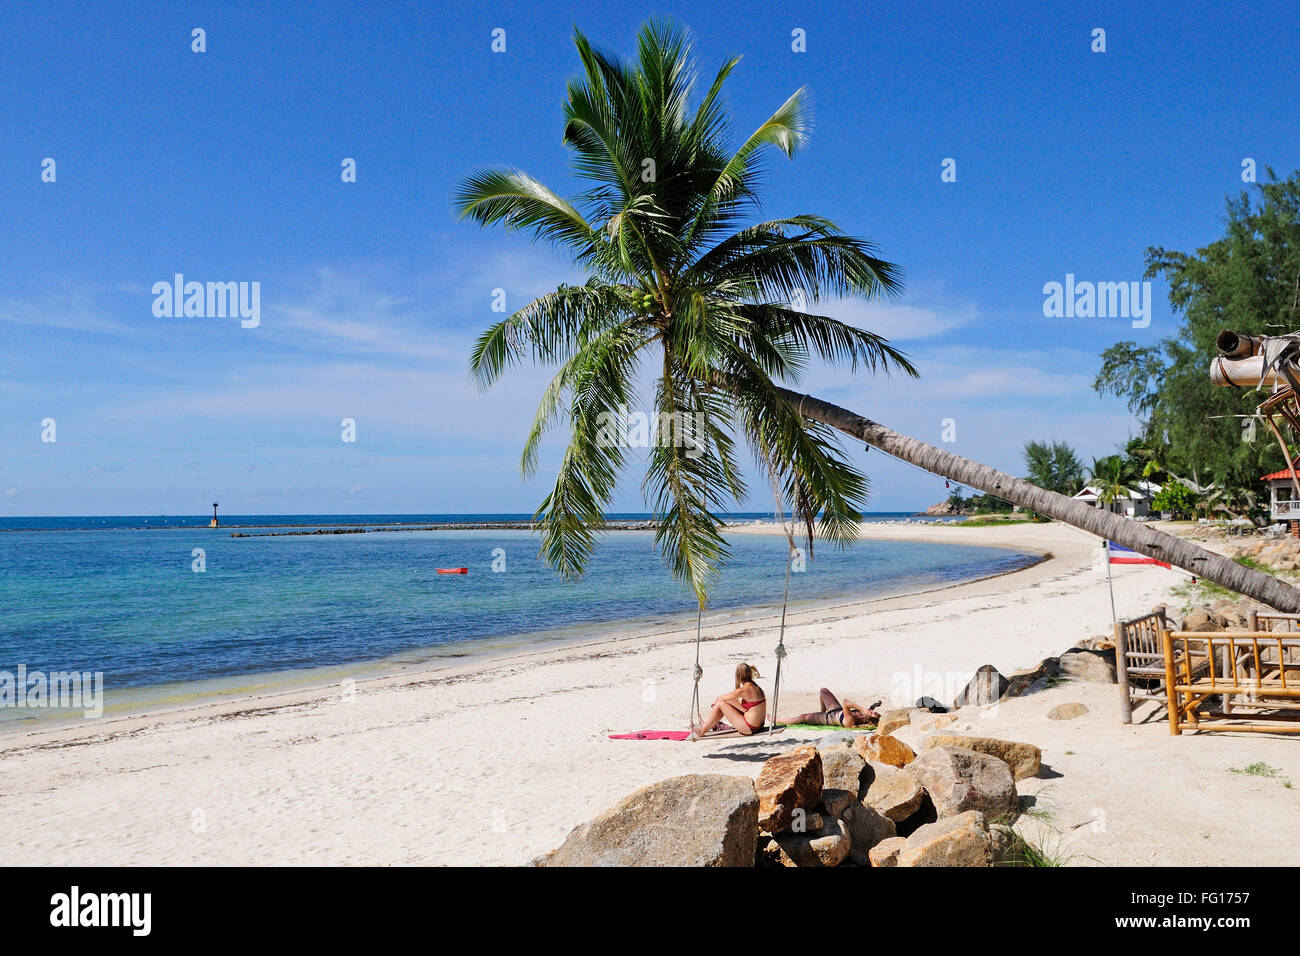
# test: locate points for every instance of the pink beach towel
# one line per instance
(653, 735)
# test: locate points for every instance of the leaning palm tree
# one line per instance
(686, 284)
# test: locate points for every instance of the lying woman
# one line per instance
(833, 713)
(745, 708)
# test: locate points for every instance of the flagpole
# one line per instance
(1110, 583)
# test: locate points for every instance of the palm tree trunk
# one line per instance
(1132, 534)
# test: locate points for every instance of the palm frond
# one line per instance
(516, 200)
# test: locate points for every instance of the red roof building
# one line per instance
(1285, 474)
(1282, 505)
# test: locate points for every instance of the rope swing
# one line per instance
(785, 600)
(780, 643)
(695, 717)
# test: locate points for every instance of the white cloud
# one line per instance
(955, 372)
(73, 310)
(900, 321)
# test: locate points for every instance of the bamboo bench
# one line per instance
(1254, 676)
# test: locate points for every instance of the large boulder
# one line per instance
(891, 720)
(1204, 619)
(1083, 664)
(958, 780)
(828, 846)
(885, 853)
(1237, 620)
(892, 793)
(884, 748)
(866, 829)
(844, 769)
(695, 820)
(1025, 760)
(986, 687)
(961, 840)
(789, 782)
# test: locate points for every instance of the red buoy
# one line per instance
(452, 570)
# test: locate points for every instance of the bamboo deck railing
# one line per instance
(1255, 675)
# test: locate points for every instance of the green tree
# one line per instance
(1248, 281)
(683, 284)
(1175, 498)
(1114, 476)
(956, 499)
(1053, 466)
(988, 504)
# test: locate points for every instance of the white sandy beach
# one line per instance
(493, 762)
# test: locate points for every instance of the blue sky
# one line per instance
(225, 166)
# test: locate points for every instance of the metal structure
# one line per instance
(1256, 361)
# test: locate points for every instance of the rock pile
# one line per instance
(1275, 554)
(1093, 662)
(1223, 615)
(846, 803)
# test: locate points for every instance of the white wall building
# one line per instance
(1136, 503)
(1284, 504)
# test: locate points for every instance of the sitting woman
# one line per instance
(745, 708)
(836, 714)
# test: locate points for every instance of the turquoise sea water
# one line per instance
(128, 602)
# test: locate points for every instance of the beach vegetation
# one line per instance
(1054, 466)
(1047, 853)
(1248, 562)
(1257, 769)
(1177, 499)
(1246, 281)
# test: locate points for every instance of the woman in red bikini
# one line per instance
(745, 708)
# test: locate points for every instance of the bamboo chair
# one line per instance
(1140, 661)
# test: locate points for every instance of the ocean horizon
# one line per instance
(321, 520)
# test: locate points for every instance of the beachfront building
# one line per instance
(1283, 502)
(1134, 503)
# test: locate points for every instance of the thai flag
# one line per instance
(1118, 554)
